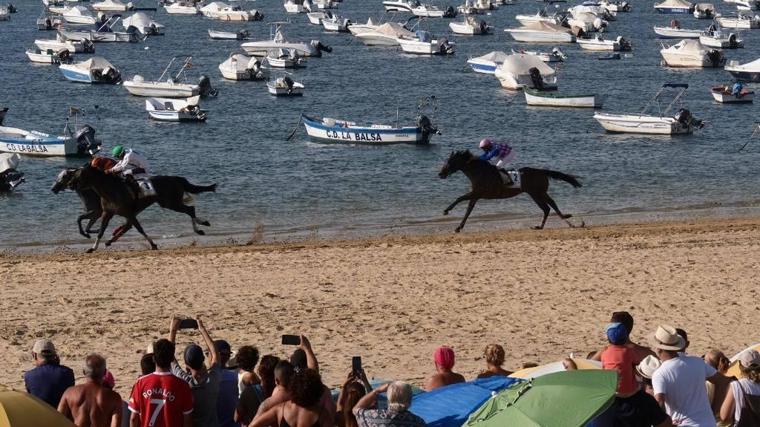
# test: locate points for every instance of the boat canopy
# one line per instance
(240, 62)
(688, 46)
(521, 63)
(78, 11)
(96, 62)
(675, 4)
(704, 6)
(9, 161)
(496, 56)
(395, 30)
(138, 20)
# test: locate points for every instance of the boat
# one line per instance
(739, 21)
(554, 55)
(400, 5)
(171, 87)
(10, 176)
(473, 7)
(356, 29)
(336, 23)
(691, 54)
(342, 131)
(93, 70)
(182, 8)
(745, 4)
(61, 43)
(227, 35)
(598, 43)
(5, 13)
(517, 71)
(79, 15)
(649, 123)
(720, 40)
(112, 6)
(143, 24)
(387, 34)
(704, 11)
(616, 6)
(725, 95)
(317, 17)
(103, 34)
(749, 72)
(277, 40)
(175, 110)
(242, 67)
(430, 11)
(487, 63)
(542, 32)
(470, 25)
(324, 4)
(674, 6)
(674, 31)
(76, 140)
(425, 44)
(541, 16)
(224, 12)
(609, 57)
(49, 22)
(284, 58)
(283, 85)
(294, 6)
(48, 56)
(554, 99)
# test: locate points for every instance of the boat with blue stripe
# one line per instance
(93, 70)
(341, 131)
(75, 141)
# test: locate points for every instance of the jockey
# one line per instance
(502, 152)
(130, 162)
(102, 163)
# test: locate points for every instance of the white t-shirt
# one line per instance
(682, 381)
(750, 387)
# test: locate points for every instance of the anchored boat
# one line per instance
(554, 99)
(76, 140)
(332, 130)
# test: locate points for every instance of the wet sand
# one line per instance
(392, 300)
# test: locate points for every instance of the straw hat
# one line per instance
(666, 338)
(647, 366)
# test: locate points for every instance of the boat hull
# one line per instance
(161, 91)
(727, 98)
(362, 135)
(480, 66)
(372, 38)
(536, 98)
(36, 144)
(745, 76)
(599, 47)
(531, 36)
(262, 48)
(651, 125)
(687, 61)
(674, 33)
(175, 116)
(74, 74)
(673, 10)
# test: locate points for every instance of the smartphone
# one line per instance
(291, 340)
(356, 364)
(188, 324)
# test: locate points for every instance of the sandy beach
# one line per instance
(392, 300)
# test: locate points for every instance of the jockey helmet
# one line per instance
(486, 143)
(117, 151)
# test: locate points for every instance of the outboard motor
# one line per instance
(258, 16)
(449, 12)
(483, 27)
(318, 48)
(2, 115)
(536, 79)
(732, 40)
(684, 117)
(289, 82)
(89, 46)
(716, 57)
(444, 47)
(428, 130)
(86, 142)
(205, 87)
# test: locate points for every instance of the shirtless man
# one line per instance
(444, 363)
(91, 404)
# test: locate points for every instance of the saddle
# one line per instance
(141, 187)
(510, 178)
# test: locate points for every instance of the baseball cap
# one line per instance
(44, 347)
(749, 358)
(194, 357)
(617, 333)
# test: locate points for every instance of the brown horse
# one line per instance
(487, 183)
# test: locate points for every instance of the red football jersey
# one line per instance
(161, 399)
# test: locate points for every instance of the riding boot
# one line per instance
(133, 186)
(505, 177)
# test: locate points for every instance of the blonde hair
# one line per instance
(494, 354)
(399, 396)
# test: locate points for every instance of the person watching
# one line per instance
(92, 404)
(49, 379)
(444, 359)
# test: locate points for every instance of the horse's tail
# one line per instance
(195, 189)
(561, 176)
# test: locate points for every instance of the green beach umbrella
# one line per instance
(561, 399)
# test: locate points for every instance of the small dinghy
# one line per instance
(470, 26)
(732, 95)
(227, 35)
(49, 56)
(182, 8)
(674, 6)
(720, 40)
(332, 130)
(284, 58)
(554, 99)
(335, 23)
(61, 43)
(143, 24)
(171, 87)
(284, 85)
(598, 44)
(93, 70)
(674, 31)
(175, 110)
(242, 67)
(224, 12)
(424, 44)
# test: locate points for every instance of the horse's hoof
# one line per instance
(458, 229)
(206, 223)
(583, 224)
(154, 247)
(200, 232)
(537, 227)
(445, 212)
(108, 243)
(91, 250)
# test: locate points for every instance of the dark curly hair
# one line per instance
(266, 373)
(307, 388)
(247, 357)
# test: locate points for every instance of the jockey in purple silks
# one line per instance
(501, 151)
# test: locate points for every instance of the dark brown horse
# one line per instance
(117, 198)
(487, 183)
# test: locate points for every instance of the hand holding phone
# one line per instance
(291, 340)
(356, 366)
(188, 324)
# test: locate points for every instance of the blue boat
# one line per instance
(93, 70)
(331, 130)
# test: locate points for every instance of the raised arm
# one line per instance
(173, 326)
(213, 353)
(369, 399)
(311, 359)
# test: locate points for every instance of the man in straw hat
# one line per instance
(49, 379)
(679, 383)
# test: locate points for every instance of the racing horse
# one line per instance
(487, 183)
(117, 198)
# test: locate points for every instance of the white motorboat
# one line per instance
(48, 56)
(599, 44)
(336, 23)
(554, 55)
(424, 44)
(356, 29)
(431, 11)
(182, 8)
(294, 6)
(112, 6)
(661, 124)
(473, 7)
(674, 6)
(387, 34)
(93, 70)
(726, 95)
(284, 85)
(242, 67)
(175, 110)
(228, 35)
(749, 72)
(169, 88)
(720, 40)
(740, 21)
(316, 18)
(704, 11)
(470, 25)
(277, 40)
(49, 22)
(487, 63)
(60, 43)
(103, 34)
(284, 58)
(691, 54)
(224, 12)
(76, 140)
(615, 6)
(400, 5)
(324, 4)
(542, 32)
(554, 99)
(514, 73)
(674, 31)
(342, 131)
(541, 16)
(5, 13)
(143, 24)
(79, 15)
(745, 4)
